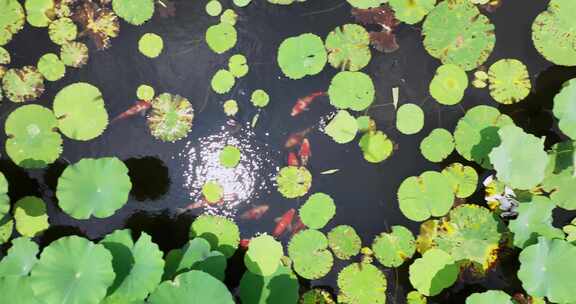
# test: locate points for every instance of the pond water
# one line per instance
(167, 176)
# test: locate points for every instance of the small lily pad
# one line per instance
(490, 296)
(564, 108)
(238, 65)
(302, 55)
(376, 146)
(308, 249)
(230, 107)
(348, 47)
(553, 33)
(294, 181)
(433, 272)
(135, 12)
(21, 85)
(449, 84)
(429, 194)
(212, 192)
(20, 259)
(259, 98)
(30, 215)
(222, 81)
(361, 283)
(263, 255)
(74, 54)
(464, 179)
(171, 117)
(344, 242)
(318, 209)
(438, 145)
(394, 248)
(150, 45)
(50, 66)
(12, 18)
(213, 8)
(409, 119)
(351, 90)
(145, 92)
(230, 156)
(62, 31)
(221, 37)
(411, 11)
(342, 128)
(509, 81)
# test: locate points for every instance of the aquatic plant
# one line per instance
(150, 45)
(171, 117)
(229, 16)
(195, 255)
(376, 146)
(347, 47)
(74, 54)
(4, 198)
(16, 287)
(308, 249)
(293, 181)
(6, 229)
(414, 297)
(212, 192)
(559, 180)
(351, 90)
(238, 65)
(213, 8)
(278, 288)
(344, 242)
(194, 287)
(4, 60)
(222, 233)
(394, 248)
(433, 272)
(490, 296)
(62, 31)
(361, 283)
(24, 84)
(316, 296)
(229, 156)
(463, 179)
(221, 37)
(230, 107)
(263, 255)
(145, 92)
(411, 11)
(318, 209)
(509, 81)
(429, 194)
(135, 12)
(222, 81)
(20, 259)
(39, 12)
(302, 55)
(241, 3)
(30, 216)
(553, 33)
(449, 84)
(342, 128)
(260, 98)
(534, 220)
(12, 19)
(409, 119)
(570, 231)
(50, 66)
(438, 145)
(97, 21)
(562, 108)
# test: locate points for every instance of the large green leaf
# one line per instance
(565, 108)
(534, 220)
(302, 55)
(222, 233)
(421, 197)
(554, 34)
(193, 287)
(263, 255)
(38, 12)
(433, 272)
(12, 288)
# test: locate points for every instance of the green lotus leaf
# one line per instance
(456, 32)
(376, 146)
(12, 19)
(50, 66)
(263, 255)
(62, 31)
(38, 12)
(361, 284)
(278, 288)
(93, 187)
(135, 12)
(411, 11)
(6, 229)
(342, 128)
(318, 209)
(74, 54)
(308, 249)
(230, 156)
(212, 192)
(316, 296)
(476, 133)
(80, 111)
(433, 272)
(394, 248)
(365, 123)
(449, 84)
(438, 145)
(259, 98)
(222, 233)
(32, 142)
(546, 269)
(195, 255)
(221, 37)
(364, 4)
(4, 198)
(72, 270)
(564, 108)
(20, 259)
(4, 58)
(560, 180)
(293, 181)
(222, 81)
(344, 242)
(351, 90)
(509, 81)
(230, 107)
(241, 3)
(150, 45)
(25, 84)
(145, 92)
(534, 220)
(519, 168)
(489, 297)
(229, 16)
(302, 55)
(193, 287)
(16, 287)
(553, 33)
(30, 215)
(349, 47)
(464, 179)
(414, 297)
(138, 266)
(213, 8)
(409, 119)
(171, 117)
(429, 194)
(238, 65)
(570, 231)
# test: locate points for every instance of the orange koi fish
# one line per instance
(255, 213)
(303, 103)
(138, 107)
(296, 138)
(244, 243)
(304, 151)
(298, 225)
(283, 223)
(293, 160)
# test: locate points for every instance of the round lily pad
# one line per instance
(348, 47)
(433, 272)
(229, 16)
(145, 92)
(30, 215)
(230, 107)
(38, 12)
(238, 65)
(25, 84)
(553, 33)
(230, 156)
(464, 179)
(344, 242)
(222, 233)
(135, 12)
(302, 55)
(394, 248)
(351, 90)
(376, 146)
(213, 8)
(222, 81)
(534, 219)
(308, 249)
(278, 288)
(150, 45)
(171, 117)
(62, 31)
(361, 283)
(293, 181)
(260, 98)
(263, 255)
(221, 37)
(411, 11)
(74, 54)
(563, 108)
(318, 209)
(192, 287)
(20, 259)
(509, 81)
(449, 84)
(438, 145)
(429, 194)
(12, 19)
(342, 128)
(212, 192)
(409, 119)
(50, 66)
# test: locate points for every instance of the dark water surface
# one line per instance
(167, 176)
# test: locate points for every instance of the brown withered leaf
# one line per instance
(384, 41)
(383, 15)
(98, 22)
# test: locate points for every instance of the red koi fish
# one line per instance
(298, 225)
(293, 160)
(139, 107)
(304, 151)
(255, 213)
(244, 243)
(303, 103)
(296, 138)
(283, 223)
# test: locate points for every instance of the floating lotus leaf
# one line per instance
(72, 270)
(534, 220)
(11, 19)
(342, 128)
(560, 180)
(376, 146)
(476, 133)
(456, 32)
(222, 81)
(564, 108)
(394, 248)
(51, 67)
(302, 55)
(230, 156)
(344, 242)
(32, 141)
(80, 110)
(230, 107)
(74, 54)
(15, 287)
(150, 45)
(4, 198)
(438, 145)
(546, 269)
(348, 47)
(279, 288)
(20, 259)
(433, 272)
(293, 181)
(195, 255)
(171, 117)
(212, 192)
(98, 22)
(351, 90)
(519, 168)
(553, 32)
(409, 119)
(449, 84)
(241, 3)
(213, 8)
(238, 65)
(464, 179)
(229, 16)
(93, 187)
(193, 287)
(308, 249)
(38, 12)
(411, 11)
(260, 98)
(361, 284)
(62, 31)
(263, 255)
(365, 123)
(30, 215)
(222, 233)
(429, 194)
(138, 266)
(316, 296)
(318, 209)
(145, 92)
(221, 37)
(415, 297)
(489, 297)
(135, 12)
(25, 84)
(364, 4)
(509, 81)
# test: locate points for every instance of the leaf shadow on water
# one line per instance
(55, 232)
(20, 183)
(167, 231)
(149, 176)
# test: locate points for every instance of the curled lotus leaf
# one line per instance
(230, 156)
(135, 12)
(263, 255)
(488, 297)
(25, 84)
(72, 270)
(449, 84)
(4, 198)
(316, 296)
(318, 209)
(534, 219)
(409, 119)
(348, 47)
(414, 297)
(192, 287)
(308, 249)
(80, 110)
(433, 272)
(302, 55)
(74, 54)
(560, 180)
(361, 283)
(564, 109)
(145, 92)
(376, 146)
(93, 187)
(51, 67)
(456, 32)
(553, 32)
(509, 81)
(429, 194)
(12, 18)
(150, 45)
(394, 248)
(32, 140)
(351, 90)
(294, 181)
(342, 128)
(365, 4)
(30, 216)
(411, 11)
(213, 8)
(62, 31)
(344, 242)
(259, 98)
(195, 255)
(171, 117)
(222, 81)
(278, 288)
(20, 259)
(238, 65)
(438, 145)
(212, 192)
(222, 233)
(221, 37)
(38, 12)
(464, 179)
